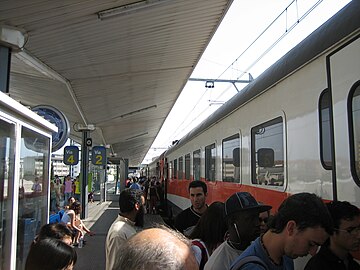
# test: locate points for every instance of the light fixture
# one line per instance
(215, 102)
(136, 136)
(136, 146)
(12, 37)
(137, 111)
(209, 84)
(128, 8)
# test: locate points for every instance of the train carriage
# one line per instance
(295, 128)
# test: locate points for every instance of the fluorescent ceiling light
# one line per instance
(137, 111)
(136, 136)
(128, 8)
(136, 146)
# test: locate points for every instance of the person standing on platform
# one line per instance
(36, 187)
(77, 188)
(300, 226)
(186, 220)
(59, 190)
(67, 188)
(135, 184)
(243, 225)
(132, 211)
(335, 254)
(208, 233)
(264, 219)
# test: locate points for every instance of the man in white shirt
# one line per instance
(131, 202)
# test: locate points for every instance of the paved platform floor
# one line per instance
(100, 217)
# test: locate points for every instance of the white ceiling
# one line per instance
(95, 70)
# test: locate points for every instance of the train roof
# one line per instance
(343, 23)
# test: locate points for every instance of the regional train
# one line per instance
(296, 128)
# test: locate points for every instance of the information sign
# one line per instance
(98, 155)
(71, 155)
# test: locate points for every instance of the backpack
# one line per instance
(204, 256)
(248, 259)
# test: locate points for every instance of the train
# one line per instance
(295, 128)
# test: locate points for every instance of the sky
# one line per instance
(229, 56)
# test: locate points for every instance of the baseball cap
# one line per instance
(241, 201)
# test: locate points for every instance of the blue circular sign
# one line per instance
(57, 118)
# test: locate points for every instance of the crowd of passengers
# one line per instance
(240, 233)
(62, 190)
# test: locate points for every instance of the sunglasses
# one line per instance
(354, 231)
(265, 220)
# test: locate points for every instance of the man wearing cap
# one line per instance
(242, 218)
(300, 226)
(186, 220)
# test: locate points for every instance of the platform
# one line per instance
(100, 217)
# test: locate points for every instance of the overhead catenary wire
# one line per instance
(180, 128)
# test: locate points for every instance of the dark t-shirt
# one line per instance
(325, 259)
(186, 220)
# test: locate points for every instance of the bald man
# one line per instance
(156, 249)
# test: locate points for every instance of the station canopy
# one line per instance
(117, 65)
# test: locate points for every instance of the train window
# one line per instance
(354, 124)
(170, 169)
(325, 130)
(175, 169)
(196, 164)
(181, 168)
(267, 153)
(210, 162)
(166, 169)
(187, 167)
(231, 159)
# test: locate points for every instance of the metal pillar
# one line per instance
(102, 178)
(5, 60)
(117, 183)
(84, 174)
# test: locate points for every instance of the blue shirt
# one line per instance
(135, 186)
(256, 249)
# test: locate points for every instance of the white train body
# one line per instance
(296, 127)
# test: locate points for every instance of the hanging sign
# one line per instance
(98, 155)
(71, 155)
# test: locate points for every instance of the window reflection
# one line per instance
(210, 156)
(268, 153)
(356, 129)
(187, 167)
(196, 164)
(33, 185)
(231, 159)
(7, 154)
(180, 172)
(325, 129)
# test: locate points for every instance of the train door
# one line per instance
(344, 75)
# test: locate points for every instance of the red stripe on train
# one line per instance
(220, 191)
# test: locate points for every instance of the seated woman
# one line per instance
(72, 219)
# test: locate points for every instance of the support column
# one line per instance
(5, 60)
(84, 175)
